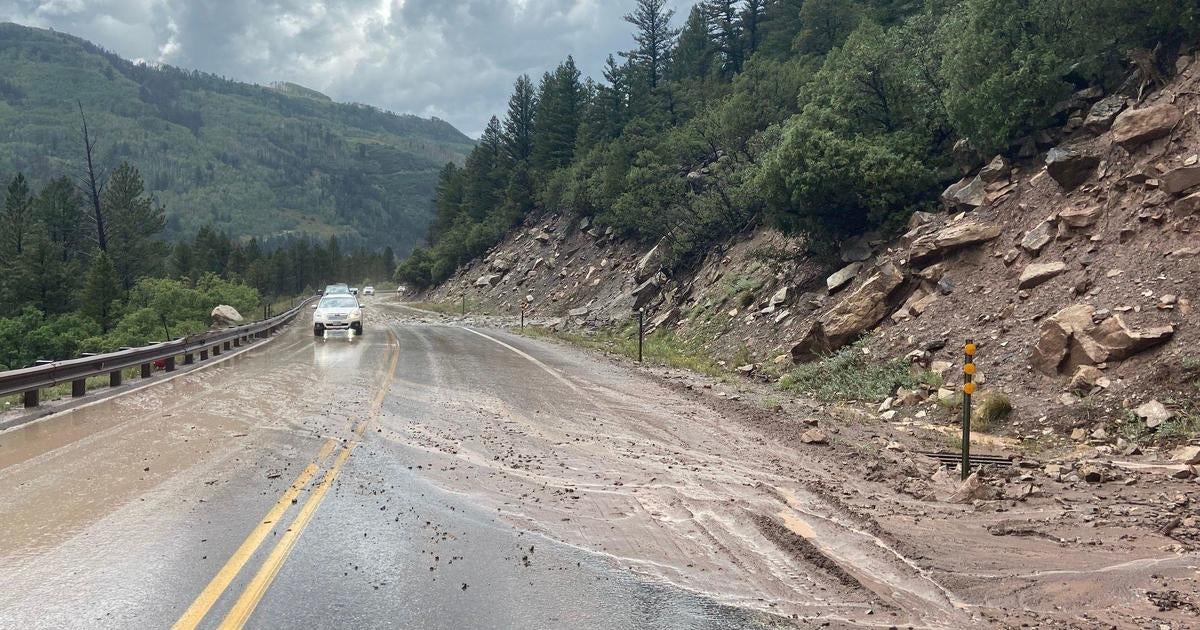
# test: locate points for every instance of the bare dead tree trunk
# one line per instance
(93, 184)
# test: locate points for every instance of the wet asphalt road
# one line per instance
(265, 491)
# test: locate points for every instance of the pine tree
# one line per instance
(779, 27)
(753, 15)
(17, 221)
(59, 209)
(558, 114)
(825, 24)
(693, 55)
(133, 220)
(654, 38)
(101, 292)
(725, 29)
(519, 124)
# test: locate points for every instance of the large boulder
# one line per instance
(487, 280)
(1069, 339)
(1064, 344)
(1135, 127)
(1037, 273)
(842, 277)
(1121, 342)
(651, 263)
(1039, 237)
(1103, 113)
(967, 194)
(1080, 216)
(224, 315)
(1180, 179)
(1070, 167)
(995, 170)
(500, 265)
(863, 308)
(648, 290)
(956, 235)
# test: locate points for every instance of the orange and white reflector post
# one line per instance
(968, 389)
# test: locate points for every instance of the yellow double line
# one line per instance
(253, 593)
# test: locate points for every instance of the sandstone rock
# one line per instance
(585, 223)
(1103, 113)
(949, 397)
(814, 436)
(1038, 237)
(579, 312)
(1189, 455)
(919, 218)
(1189, 204)
(648, 290)
(1180, 179)
(500, 265)
(953, 236)
(863, 308)
(842, 277)
(1063, 338)
(971, 490)
(487, 280)
(813, 344)
(1154, 413)
(1037, 273)
(224, 315)
(967, 194)
(1120, 342)
(1080, 216)
(780, 297)
(541, 236)
(1079, 434)
(1091, 474)
(1135, 127)
(1085, 379)
(995, 170)
(1070, 167)
(651, 263)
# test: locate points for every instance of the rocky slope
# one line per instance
(1073, 263)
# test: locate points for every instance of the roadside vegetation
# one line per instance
(823, 117)
(853, 374)
(660, 348)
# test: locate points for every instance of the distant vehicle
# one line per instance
(353, 290)
(338, 312)
(369, 291)
(402, 289)
(337, 289)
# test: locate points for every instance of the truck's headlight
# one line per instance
(356, 314)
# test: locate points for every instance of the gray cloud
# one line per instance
(454, 59)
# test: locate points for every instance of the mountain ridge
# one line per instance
(251, 160)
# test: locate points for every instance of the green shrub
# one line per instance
(850, 374)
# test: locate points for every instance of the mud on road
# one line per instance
(689, 480)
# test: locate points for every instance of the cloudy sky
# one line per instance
(454, 59)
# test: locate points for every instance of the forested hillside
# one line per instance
(245, 160)
(822, 117)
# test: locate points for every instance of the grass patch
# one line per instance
(659, 348)
(992, 408)
(1184, 427)
(851, 374)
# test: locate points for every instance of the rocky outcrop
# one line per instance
(1069, 339)
(224, 315)
(857, 312)
(487, 280)
(1136, 127)
(959, 234)
(1070, 167)
(648, 290)
(651, 263)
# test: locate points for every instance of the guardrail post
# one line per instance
(216, 351)
(32, 398)
(204, 354)
(189, 358)
(237, 341)
(79, 388)
(146, 371)
(114, 378)
(227, 345)
(170, 365)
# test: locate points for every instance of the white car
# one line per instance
(337, 313)
(369, 291)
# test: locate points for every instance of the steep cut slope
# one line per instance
(247, 159)
(1073, 263)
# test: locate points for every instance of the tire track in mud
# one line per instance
(849, 550)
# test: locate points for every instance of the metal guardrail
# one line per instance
(29, 381)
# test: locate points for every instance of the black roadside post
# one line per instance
(523, 306)
(641, 331)
(968, 389)
(166, 329)
(464, 305)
